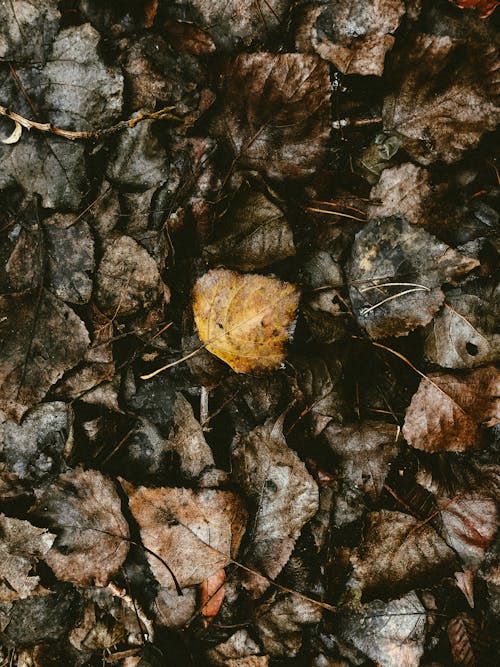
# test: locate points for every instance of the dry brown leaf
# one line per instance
(469, 646)
(21, 546)
(399, 554)
(275, 112)
(240, 650)
(245, 320)
(484, 7)
(195, 532)
(84, 509)
(212, 593)
(447, 412)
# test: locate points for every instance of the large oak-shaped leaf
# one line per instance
(195, 533)
(396, 273)
(21, 546)
(40, 338)
(398, 554)
(445, 98)
(245, 320)
(275, 113)
(448, 412)
(84, 509)
(284, 494)
(392, 634)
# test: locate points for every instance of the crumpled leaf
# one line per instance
(251, 235)
(127, 279)
(391, 634)
(398, 554)
(84, 509)
(138, 161)
(245, 320)
(448, 411)
(468, 524)
(275, 114)
(240, 650)
(284, 495)
(195, 532)
(21, 546)
(436, 121)
(353, 36)
(27, 29)
(364, 451)
(40, 338)
(231, 23)
(464, 332)
(78, 91)
(280, 623)
(70, 258)
(35, 449)
(404, 265)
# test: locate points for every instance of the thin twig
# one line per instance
(86, 135)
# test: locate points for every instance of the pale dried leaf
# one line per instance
(240, 650)
(194, 532)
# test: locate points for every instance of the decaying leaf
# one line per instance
(448, 412)
(353, 36)
(468, 524)
(27, 29)
(283, 493)
(464, 332)
(251, 235)
(275, 115)
(396, 273)
(240, 650)
(397, 554)
(40, 338)
(280, 623)
(172, 610)
(444, 99)
(84, 509)
(35, 449)
(469, 646)
(245, 320)
(391, 634)
(195, 532)
(21, 546)
(127, 279)
(232, 23)
(70, 262)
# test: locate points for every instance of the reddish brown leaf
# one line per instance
(212, 593)
(150, 9)
(468, 647)
(448, 412)
(484, 7)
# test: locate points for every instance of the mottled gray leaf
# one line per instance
(396, 273)
(353, 36)
(446, 96)
(40, 339)
(240, 650)
(251, 235)
(27, 28)
(391, 634)
(35, 449)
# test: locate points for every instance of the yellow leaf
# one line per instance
(245, 320)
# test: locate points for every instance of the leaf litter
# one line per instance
(249, 333)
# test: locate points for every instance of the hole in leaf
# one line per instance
(471, 349)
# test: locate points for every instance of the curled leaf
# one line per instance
(16, 134)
